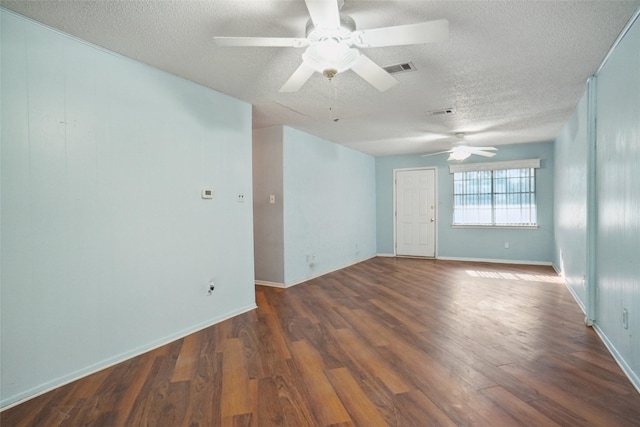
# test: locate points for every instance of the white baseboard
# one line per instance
(633, 377)
(487, 260)
(290, 284)
(576, 297)
(41, 389)
(496, 261)
(270, 284)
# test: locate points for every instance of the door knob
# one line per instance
(433, 220)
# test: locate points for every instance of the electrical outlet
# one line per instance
(625, 318)
(240, 197)
(212, 287)
(506, 245)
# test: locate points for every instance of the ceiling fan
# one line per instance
(461, 152)
(331, 44)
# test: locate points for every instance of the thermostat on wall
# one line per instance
(207, 193)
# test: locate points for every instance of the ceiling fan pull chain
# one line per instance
(333, 108)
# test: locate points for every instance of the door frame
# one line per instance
(395, 207)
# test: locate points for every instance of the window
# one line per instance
(494, 194)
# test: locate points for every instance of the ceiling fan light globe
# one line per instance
(330, 56)
(459, 155)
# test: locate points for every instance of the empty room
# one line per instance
(319, 213)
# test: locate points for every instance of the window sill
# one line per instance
(519, 227)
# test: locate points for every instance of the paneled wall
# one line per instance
(618, 201)
(612, 239)
(107, 246)
(570, 215)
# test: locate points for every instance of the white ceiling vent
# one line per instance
(400, 68)
(444, 111)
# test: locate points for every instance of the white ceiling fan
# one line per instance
(332, 40)
(462, 151)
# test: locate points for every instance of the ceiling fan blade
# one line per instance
(373, 73)
(482, 148)
(261, 41)
(298, 78)
(324, 13)
(482, 153)
(434, 154)
(424, 32)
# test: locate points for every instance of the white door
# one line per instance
(415, 212)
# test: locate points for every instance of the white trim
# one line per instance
(107, 363)
(417, 257)
(572, 291)
(492, 166)
(386, 255)
(491, 227)
(496, 261)
(271, 284)
(575, 295)
(633, 377)
(591, 290)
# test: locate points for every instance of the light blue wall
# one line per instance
(329, 206)
(107, 247)
(473, 243)
(618, 201)
(570, 215)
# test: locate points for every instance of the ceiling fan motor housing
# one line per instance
(347, 26)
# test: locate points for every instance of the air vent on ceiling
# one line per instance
(444, 111)
(400, 68)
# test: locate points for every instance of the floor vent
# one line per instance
(444, 111)
(400, 68)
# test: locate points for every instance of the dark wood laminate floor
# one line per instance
(387, 342)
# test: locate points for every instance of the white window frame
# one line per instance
(495, 166)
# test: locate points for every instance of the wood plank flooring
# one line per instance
(387, 342)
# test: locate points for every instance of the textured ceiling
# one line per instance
(512, 70)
